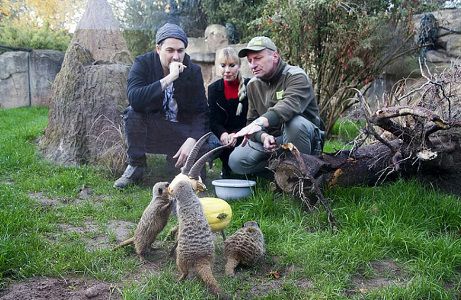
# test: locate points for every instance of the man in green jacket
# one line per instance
(281, 109)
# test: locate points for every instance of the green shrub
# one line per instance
(34, 37)
(341, 45)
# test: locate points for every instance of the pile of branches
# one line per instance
(415, 134)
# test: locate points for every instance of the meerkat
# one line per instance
(152, 222)
(195, 247)
(245, 246)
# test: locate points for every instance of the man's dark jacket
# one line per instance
(145, 92)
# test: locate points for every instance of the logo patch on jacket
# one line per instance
(279, 95)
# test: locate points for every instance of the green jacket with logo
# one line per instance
(286, 94)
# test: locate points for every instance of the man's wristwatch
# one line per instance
(259, 122)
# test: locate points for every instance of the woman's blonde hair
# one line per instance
(229, 54)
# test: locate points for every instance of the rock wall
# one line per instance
(448, 52)
(14, 80)
(26, 77)
(449, 44)
(45, 64)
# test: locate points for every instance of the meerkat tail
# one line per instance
(204, 271)
(124, 243)
(231, 264)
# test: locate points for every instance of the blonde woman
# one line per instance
(228, 103)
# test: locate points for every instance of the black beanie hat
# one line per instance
(171, 31)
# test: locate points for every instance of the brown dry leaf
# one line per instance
(274, 274)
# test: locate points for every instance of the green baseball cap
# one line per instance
(257, 44)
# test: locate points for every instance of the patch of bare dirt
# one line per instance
(88, 227)
(42, 288)
(97, 238)
(121, 229)
(384, 273)
(90, 234)
(43, 200)
(266, 277)
(263, 288)
(6, 181)
(454, 286)
(84, 194)
(46, 202)
(154, 262)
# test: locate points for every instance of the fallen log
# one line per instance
(417, 139)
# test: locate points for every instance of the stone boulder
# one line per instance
(26, 77)
(203, 49)
(14, 79)
(444, 66)
(45, 64)
(89, 95)
(449, 43)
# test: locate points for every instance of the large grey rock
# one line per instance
(89, 94)
(204, 48)
(451, 19)
(45, 64)
(216, 37)
(14, 80)
(84, 123)
(26, 77)
(437, 60)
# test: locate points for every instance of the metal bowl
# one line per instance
(228, 189)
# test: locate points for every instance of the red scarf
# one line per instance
(231, 89)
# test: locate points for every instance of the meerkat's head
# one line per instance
(160, 189)
(197, 184)
(251, 227)
(182, 192)
(251, 224)
(191, 171)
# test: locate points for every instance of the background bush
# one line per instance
(342, 45)
(13, 34)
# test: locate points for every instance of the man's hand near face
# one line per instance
(176, 68)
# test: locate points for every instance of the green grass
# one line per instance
(406, 223)
(341, 134)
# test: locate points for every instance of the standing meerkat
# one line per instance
(195, 247)
(153, 220)
(245, 246)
